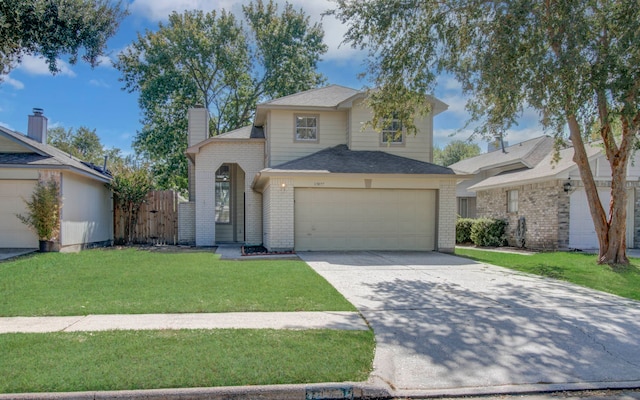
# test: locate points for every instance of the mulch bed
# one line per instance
(261, 251)
(165, 248)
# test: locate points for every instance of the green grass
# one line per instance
(578, 268)
(119, 360)
(133, 281)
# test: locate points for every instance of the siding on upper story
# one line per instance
(341, 127)
(9, 146)
(280, 132)
(418, 147)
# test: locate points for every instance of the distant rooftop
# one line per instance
(545, 169)
(529, 153)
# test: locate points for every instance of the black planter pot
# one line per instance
(47, 246)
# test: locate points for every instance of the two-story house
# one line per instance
(310, 174)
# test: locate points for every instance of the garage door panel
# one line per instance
(582, 232)
(13, 233)
(362, 219)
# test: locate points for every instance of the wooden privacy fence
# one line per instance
(157, 220)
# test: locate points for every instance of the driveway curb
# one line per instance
(328, 391)
(526, 389)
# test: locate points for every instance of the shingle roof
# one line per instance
(328, 96)
(545, 169)
(340, 159)
(46, 155)
(528, 153)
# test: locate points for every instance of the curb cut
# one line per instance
(327, 391)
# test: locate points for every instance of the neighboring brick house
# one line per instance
(309, 175)
(544, 202)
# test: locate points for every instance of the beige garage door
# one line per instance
(14, 233)
(364, 219)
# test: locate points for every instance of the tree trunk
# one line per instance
(614, 250)
(611, 231)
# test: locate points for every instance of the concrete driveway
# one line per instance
(445, 325)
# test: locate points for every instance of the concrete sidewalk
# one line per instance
(253, 320)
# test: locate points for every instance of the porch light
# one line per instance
(284, 185)
(567, 186)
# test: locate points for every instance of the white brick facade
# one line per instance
(279, 213)
(249, 156)
(447, 216)
(187, 222)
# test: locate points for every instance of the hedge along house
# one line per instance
(545, 204)
(309, 175)
(86, 216)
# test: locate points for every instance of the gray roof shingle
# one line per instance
(528, 153)
(328, 96)
(547, 168)
(340, 159)
(47, 155)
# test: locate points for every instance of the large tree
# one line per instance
(213, 60)
(51, 28)
(85, 144)
(576, 62)
(455, 151)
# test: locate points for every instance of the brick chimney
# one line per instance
(198, 129)
(37, 126)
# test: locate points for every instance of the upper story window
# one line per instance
(512, 201)
(306, 128)
(392, 132)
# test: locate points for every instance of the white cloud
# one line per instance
(99, 83)
(456, 103)
(11, 82)
(105, 62)
(442, 137)
(5, 125)
(159, 10)
(449, 83)
(38, 66)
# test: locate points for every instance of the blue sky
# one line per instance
(82, 96)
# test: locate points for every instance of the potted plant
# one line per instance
(43, 214)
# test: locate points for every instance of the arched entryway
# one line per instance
(230, 204)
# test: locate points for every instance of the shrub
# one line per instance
(463, 230)
(488, 232)
(43, 210)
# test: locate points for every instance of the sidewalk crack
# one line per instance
(82, 318)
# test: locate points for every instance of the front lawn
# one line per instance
(578, 268)
(132, 281)
(120, 360)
